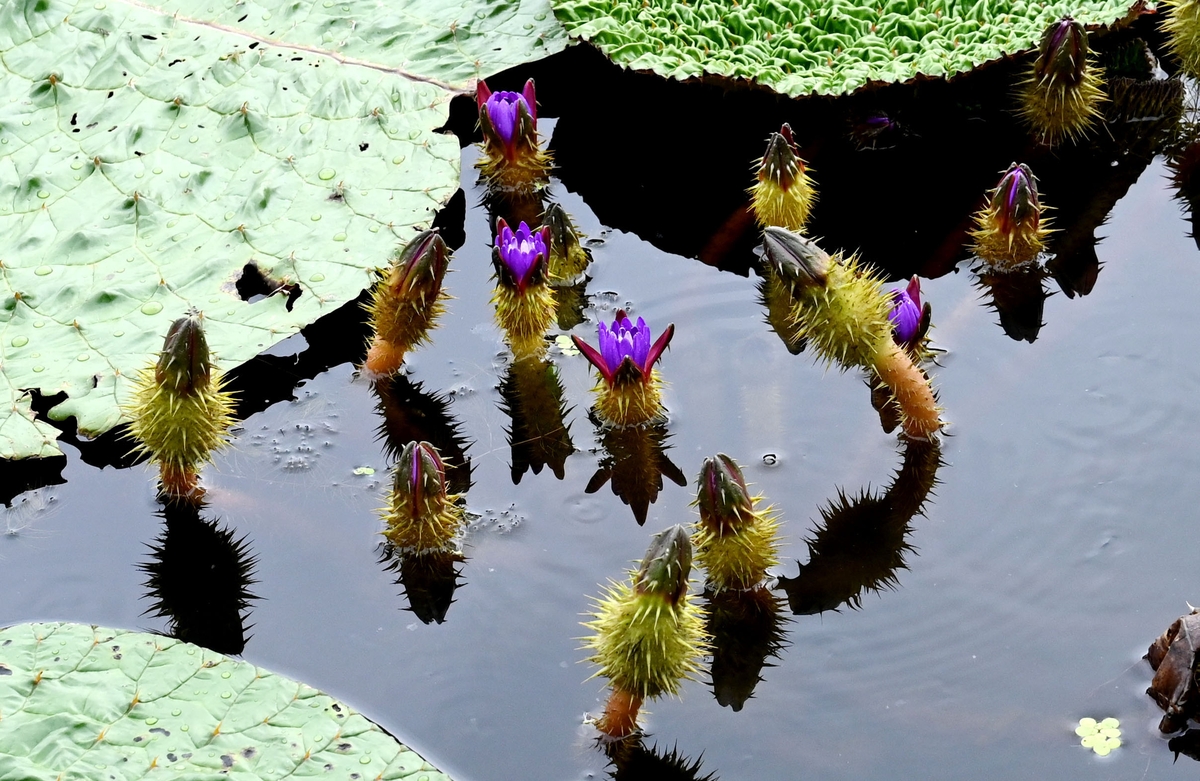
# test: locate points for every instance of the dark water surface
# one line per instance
(1059, 542)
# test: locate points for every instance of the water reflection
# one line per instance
(862, 541)
(635, 460)
(199, 578)
(1019, 298)
(429, 580)
(746, 629)
(532, 396)
(631, 760)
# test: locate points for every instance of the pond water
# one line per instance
(1054, 548)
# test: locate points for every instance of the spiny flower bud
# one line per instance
(421, 515)
(794, 257)
(1010, 229)
(179, 414)
(1062, 94)
(1182, 26)
(723, 498)
(783, 195)
(406, 302)
(735, 541)
(648, 635)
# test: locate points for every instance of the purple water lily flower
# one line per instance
(503, 113)
(521, 257)
(906, 312)
(625, 348)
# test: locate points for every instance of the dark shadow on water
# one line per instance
(862, 541)
(747, 630)
(199, 579)
(17, 477)
(531, 394)
(429, 580)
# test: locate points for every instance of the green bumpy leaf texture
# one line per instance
(85, 702)
(827, 47)
(150, 151)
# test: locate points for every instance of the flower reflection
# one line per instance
(429, 580)
(1019, 298)
(532, 396)
(862, 541)
(199, 578)
(746, 627)
(635, 460)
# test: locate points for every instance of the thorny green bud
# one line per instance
(421, 477)
(665, 569)
(1062, 56)
(781, 164)
(184, 365)
(794, 257)
(723, 498)
(422, 263)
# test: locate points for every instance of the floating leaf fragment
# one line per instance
(1101, 737)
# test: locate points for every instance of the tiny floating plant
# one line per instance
(1100, 736)
(784, 195)
(648, 636)
(843, 312)
(421, 516)
(1010, 230)
(736, 541)
(512, 159)
(406, 302)
(523, 299)
(179, 413)
(629, 392)
(1061, 97)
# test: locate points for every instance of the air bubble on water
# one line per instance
(770, 459)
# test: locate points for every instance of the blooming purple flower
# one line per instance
(625, 344)
(906, 312)
(503, 111)
(521, 254)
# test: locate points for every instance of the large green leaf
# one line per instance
(149, 151)
(83, 702)
(829, 47)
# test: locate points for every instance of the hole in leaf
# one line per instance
(253, 285)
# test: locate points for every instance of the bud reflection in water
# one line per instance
(862, 541)
(631, 760)
(412, 414)
(532, 396)
(199, 579)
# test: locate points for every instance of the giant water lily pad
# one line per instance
(79, 701)
(151, 151)
(829, 47)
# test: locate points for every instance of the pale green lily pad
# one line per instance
(828, 47)
(151, 150)
(78, 701)
(566, 345)
(364, 470)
